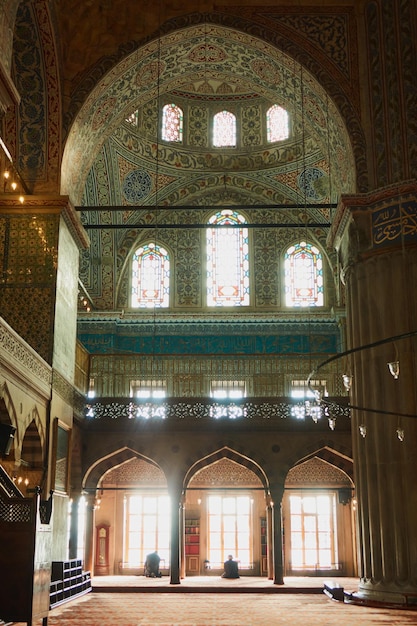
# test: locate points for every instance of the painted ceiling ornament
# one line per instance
(266, 71)
(207, 53)
(313, 182)
(136, 186)
(150, 73)
(103, 112)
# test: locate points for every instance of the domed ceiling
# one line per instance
(115, 158)
(205, 69)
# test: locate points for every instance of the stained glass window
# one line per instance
(172, 123)
(277, 123)
(150, 277)
(227, 260)
(303, 275)
(224, 129)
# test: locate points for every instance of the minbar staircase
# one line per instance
(33, 583)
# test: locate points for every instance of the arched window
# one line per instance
(172, 123)
(150, 277)
(224, 129)
(227, 260)
(303, 275)
(276, 124)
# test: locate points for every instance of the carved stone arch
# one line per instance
(95, 472)
(331, 452)
(227, 453)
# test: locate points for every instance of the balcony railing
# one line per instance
(259, 409)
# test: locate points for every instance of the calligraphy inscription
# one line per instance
(394, 222)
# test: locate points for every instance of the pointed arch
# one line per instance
(227, 453)
(339, 460)
(330, 451)
(98, 468)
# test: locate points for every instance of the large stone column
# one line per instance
(176, 495)
(277, 491)
(376, 238)
(182, 537)
(73, 534)
(269, 536)
(89, 534)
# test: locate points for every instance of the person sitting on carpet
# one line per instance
(152, 565)
(230, 568)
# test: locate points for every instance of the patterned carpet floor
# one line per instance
(232, 609)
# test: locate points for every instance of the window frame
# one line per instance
(213, 130)
(267, 123)
(153, 386)
(226, 548)
(139, 532)
(318, 278)
(180, 123)
(332, 530)
(211, 261)
(165, 284)
(229, 386)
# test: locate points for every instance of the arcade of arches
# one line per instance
(178, 308)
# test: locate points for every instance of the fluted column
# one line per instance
(376, 237)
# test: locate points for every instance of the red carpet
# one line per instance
(194, 609)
